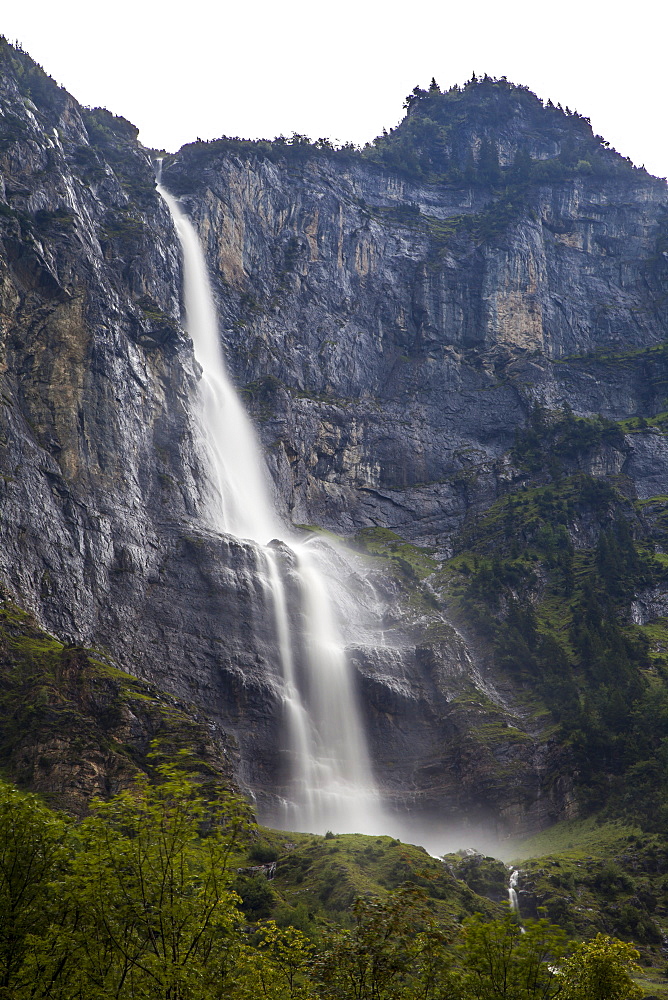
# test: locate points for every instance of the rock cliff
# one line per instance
(389, 355)
(392, 329)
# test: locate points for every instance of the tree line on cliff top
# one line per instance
(454, 137)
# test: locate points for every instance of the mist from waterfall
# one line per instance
(330, 782)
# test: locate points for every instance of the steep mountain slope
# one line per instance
(414, 328)
(102, 480)
(394, 328)
(74, 727)
(507, 273)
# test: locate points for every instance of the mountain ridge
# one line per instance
(395, 339)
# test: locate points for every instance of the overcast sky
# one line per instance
(205, 69)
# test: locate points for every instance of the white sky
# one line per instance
(205, 69)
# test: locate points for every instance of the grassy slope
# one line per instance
(326, 874)
(587, 876)
(591, 875)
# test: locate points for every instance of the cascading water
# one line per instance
(331, 784)
(236, 462)
(513, 898)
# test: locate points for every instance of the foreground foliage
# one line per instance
(502, 959)
(395, 949)
(600, 970)
(137, 902)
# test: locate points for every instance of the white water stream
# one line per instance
(330, 783)
(513, 898)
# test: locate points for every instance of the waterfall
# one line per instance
(513, 898)
(330, 782)
(236, 461)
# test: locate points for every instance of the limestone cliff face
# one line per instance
(388, 360)
(389, 336)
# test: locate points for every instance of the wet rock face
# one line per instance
(100, 468)
(387, 359)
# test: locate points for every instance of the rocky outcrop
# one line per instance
(389, 337)
(75, 728)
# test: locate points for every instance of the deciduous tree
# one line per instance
(600, 970)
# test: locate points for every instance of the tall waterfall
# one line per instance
(330, 783)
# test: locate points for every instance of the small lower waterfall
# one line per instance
(513, 898)
(330, 783)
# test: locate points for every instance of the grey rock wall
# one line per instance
(387, 359)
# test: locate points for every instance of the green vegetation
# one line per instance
(545, 578)
(143, 906)
(414, 563)
(34, 84)
(593, 877)
(162, 889)
(555, 619)
(501, 959)
(486, 877)
(138, 900)
(293, 150)
(601, 970)
(328, 874)
(452, 137)
(395, 948)
(46, 222)
(448, 137)
(124, 225)
(55, 692)
(73, 725)
(555, 440)
(579, 839)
